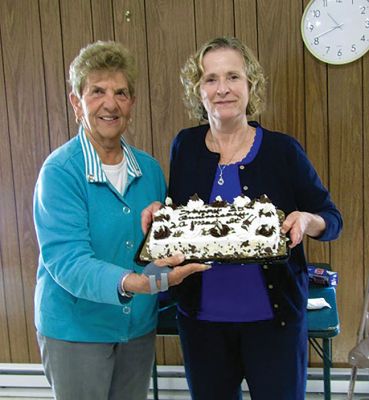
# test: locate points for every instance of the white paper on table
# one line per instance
(317, 304)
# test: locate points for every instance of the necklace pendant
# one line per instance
(220, 181)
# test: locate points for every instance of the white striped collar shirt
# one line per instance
(93, 166)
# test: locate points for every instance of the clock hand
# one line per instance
(337, 24)
(329, 30)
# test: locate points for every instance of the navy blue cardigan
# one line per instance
(282, 171)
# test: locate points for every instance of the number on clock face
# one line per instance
(336, 31)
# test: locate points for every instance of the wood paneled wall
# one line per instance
(325, 107)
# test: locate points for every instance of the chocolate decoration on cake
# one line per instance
(266, 213)
(264, 199)
(219, 230)
(195, 197)
(218, 203)
(162, 233)
(265, 230)
(251, 204)
(163, 217)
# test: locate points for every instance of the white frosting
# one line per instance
(195, 204)
(241, 201)
(191, 229)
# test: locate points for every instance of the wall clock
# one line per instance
(336, 31)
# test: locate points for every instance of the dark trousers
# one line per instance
(218, 356)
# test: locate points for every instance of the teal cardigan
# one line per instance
(88, 235)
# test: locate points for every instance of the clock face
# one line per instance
(336, 31)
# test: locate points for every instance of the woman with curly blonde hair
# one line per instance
(193, 70)
(244, 321)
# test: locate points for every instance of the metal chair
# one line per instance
(359, 355)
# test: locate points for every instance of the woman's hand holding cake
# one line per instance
(147, 215)
(300, 223)
(159, 275)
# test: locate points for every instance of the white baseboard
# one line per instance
(28, 380)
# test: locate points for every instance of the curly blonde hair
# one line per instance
(193, 70)
(102, 56)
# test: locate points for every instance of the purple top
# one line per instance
(233, 292)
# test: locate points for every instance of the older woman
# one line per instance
(95, 308)
(245, 321)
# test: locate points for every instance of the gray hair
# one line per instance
(102, 56)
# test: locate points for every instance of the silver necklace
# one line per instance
(221, 169)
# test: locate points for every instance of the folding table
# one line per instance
(323, 324)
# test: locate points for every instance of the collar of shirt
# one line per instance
(93, 166)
